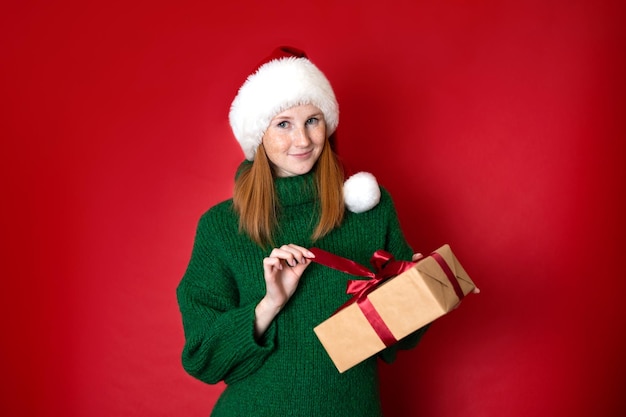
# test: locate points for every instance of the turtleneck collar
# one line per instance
(295, 190)
(291, 191)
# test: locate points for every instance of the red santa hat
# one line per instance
(285, 79)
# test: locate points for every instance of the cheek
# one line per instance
(319, 137)
(275, 144)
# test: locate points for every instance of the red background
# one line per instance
(498, 126)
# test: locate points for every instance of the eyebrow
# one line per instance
(285, 117)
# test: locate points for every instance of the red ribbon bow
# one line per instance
(385, 266)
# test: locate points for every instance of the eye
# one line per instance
(312, 121)
(283, 124)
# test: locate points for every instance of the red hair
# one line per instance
(254, 197)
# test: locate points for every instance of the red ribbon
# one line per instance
(451, 277)
(385, 266)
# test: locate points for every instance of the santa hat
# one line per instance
(285, 79)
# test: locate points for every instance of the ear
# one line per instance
(361, 192)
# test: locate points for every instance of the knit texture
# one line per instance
(288, 372)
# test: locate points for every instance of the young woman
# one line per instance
(251, 295)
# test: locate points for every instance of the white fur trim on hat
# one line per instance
(361, 192)
(275, 87)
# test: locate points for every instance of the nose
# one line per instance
(301, 137)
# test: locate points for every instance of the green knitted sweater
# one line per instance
(288, 372)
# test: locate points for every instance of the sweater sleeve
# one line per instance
(219, 333)
(397, 245)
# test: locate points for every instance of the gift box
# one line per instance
(398, 299)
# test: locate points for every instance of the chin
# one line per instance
(301, 171)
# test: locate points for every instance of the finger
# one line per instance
(302, 262)
(281, 255)
(291, 254)
(299, 252)
(304, 251)
(272, 264)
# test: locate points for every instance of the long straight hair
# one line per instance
(254, 197)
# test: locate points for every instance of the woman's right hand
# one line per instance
(282, 270)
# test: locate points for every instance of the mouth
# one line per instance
(301, 155)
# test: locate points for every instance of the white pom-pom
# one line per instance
(361, 192)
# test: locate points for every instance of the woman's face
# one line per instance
(295, 139)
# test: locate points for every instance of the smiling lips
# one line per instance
(301, 155)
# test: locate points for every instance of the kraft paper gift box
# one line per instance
(430, 288)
